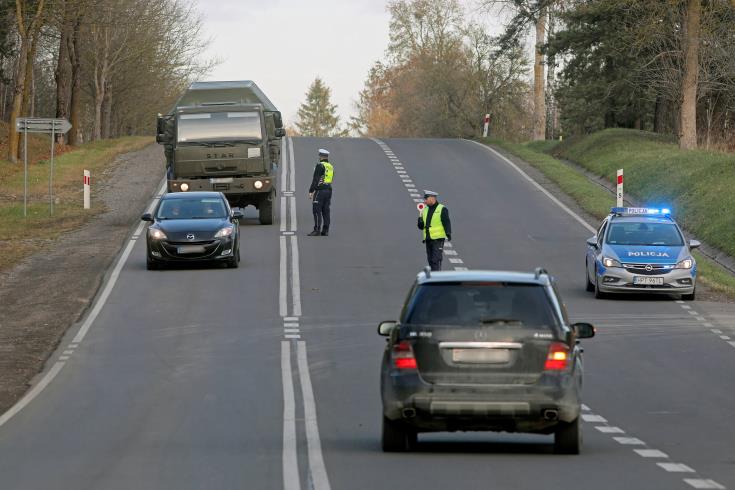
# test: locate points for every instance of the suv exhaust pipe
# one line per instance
(551, 414)
(408, 413)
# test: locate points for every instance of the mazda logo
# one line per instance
(190, 236)
(649, 268)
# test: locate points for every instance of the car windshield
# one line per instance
(194, 208)
(481, 303)
(219, 126)
(644, 233)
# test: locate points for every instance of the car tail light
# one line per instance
(558, 357)
(403, 357)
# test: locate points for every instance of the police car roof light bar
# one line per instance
(641, 211)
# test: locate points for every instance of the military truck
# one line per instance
(224, 136)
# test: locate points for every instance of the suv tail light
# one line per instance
(403, 357)
(558, 357)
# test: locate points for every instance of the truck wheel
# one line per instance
(397, 436)
(568, 438)
(266, 211)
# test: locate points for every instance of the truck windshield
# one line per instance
(219, 126)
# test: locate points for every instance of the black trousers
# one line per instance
(320, 206)
(435, 253)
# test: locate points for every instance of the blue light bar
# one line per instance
(642, 211)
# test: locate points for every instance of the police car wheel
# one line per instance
(598, 294)
(590, 287)
(689, 297)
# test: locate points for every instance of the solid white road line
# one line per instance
(291, 169)
(284, 163)
(588, 417)
(33, 393)
(539, 187)
(295, 281)
(318, 471)
(283, 214)
(290, 456)
(282, 290)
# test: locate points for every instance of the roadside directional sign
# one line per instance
(42, 125)
(46, 125)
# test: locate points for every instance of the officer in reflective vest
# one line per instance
(320, 194)
(435, 227)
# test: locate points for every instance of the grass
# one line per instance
(697, 185)
(22, 235)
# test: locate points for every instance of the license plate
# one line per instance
(220, 180)
(648, 281)
(481, 356)
(190, 249)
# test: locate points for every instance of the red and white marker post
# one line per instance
(486, 125)
(87, 183)
(620, 188)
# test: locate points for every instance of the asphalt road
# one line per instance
(268, 376)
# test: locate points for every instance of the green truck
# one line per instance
(224, 136)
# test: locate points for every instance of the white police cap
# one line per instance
(430, 193)
(324, 152)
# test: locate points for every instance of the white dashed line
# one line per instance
(700, 319)
(461, 269)
(686, 307)
(418, 200)
(63, 358)
(291, 319)
(585, 408)
(450, 252)
(456, 261)
(447, 245)
(629, 441)
(588, 417)
(692, 312)
(290, 325)
(725, 337)
(651, 453)
(675, 467)
(291, 330)
(696, 483)
(68, 352)
(292, 336)
(716, 331)
(606, 429)
(732, 343)
(680, 301)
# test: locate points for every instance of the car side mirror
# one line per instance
(147, 217)
(592, 242)
(695, 244)
(584, 330)
(280, 132)
(385, 328)
(236, 215)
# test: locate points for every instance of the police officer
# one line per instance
(436, 227)
(320, 193)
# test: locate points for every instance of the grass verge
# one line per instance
(20, 235)
(597, 201)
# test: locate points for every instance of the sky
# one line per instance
(283, 45)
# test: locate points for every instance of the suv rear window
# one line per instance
(479, 303)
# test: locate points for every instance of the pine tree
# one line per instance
(317, 115)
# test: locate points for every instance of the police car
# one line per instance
(640, 250)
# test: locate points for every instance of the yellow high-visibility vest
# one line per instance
(435, 229)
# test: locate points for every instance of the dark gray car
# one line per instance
(482, 351)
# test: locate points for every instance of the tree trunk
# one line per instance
(107, 113)
(539, 81)
(75, 118)
(688, 115)
(62, 74)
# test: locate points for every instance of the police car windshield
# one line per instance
(506, 305)
(207, 208)
(218, 126)
(644, 233)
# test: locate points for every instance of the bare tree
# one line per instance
(27, 30)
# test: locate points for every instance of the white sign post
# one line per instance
(87, 184)
(620, 188)
(486, 125)
(40, 125)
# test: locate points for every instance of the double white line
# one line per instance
(292, 309)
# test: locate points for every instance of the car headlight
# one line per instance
(685, 264)
(156, 234)
(184, 187)
(258, 184)
(610, 262)
(224, 232)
